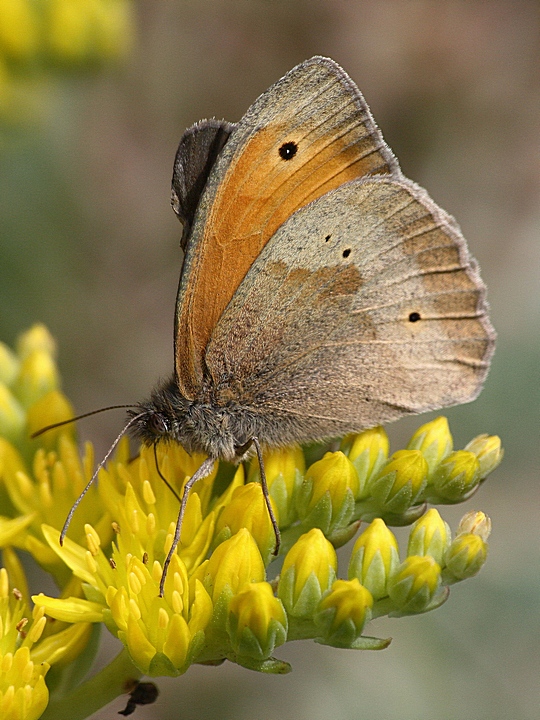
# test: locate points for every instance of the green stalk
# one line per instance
(113, 680)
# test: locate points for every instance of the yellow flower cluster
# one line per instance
(221, 597)
(28, 646)
(39, 38)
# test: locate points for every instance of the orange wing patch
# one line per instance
(277, 170)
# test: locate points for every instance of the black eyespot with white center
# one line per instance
(288, 150)
(414, 317)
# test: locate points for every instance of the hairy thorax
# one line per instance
(205, 424)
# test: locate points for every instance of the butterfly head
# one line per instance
(159, 418)
(150, 425)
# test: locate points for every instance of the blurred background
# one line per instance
(93, 101)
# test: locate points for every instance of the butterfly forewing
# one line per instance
(308, 134)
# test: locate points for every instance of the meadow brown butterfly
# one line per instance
(321, 293)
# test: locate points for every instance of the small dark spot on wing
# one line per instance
(288, 150)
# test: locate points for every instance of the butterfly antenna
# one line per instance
(99, 467)
(167, 483)
(77, 417)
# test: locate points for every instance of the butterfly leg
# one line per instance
(204, 470)
(241, 450)
(167, 483)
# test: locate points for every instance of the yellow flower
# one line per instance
(60, 476)
(79, 30)
(38, 376)
(142, 505)
(162, 634)
(36, 339)
(53, 407)
(9, 365)
(113, 28)
(12, 531)
(217, 602)
(23, 693)
(18, 29)
(25, 379)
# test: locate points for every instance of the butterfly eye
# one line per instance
(288, 150)
(157, 424)
(414, 317)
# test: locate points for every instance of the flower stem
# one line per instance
(110, 682)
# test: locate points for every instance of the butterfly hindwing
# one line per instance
(364, 306)
(197, 153)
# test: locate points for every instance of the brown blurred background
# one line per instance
(90, 246)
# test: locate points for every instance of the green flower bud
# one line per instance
(284, 469)
(434, 441)
(415, 584)
(401, 482)
(247, 509)
(430, 535)
(257, 621)
(456, 477)
(51, 408)
(374, 558)
(309, 569)
(19, 39)
(12, 417)
(465, 556)
(326, 498)
(488, 451)
(368, 452)
(343, 612)
(475, 522)
(37, 377)
(9, 365)
(36, 338)
(233, 565)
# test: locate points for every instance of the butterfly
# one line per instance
(321, 292)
